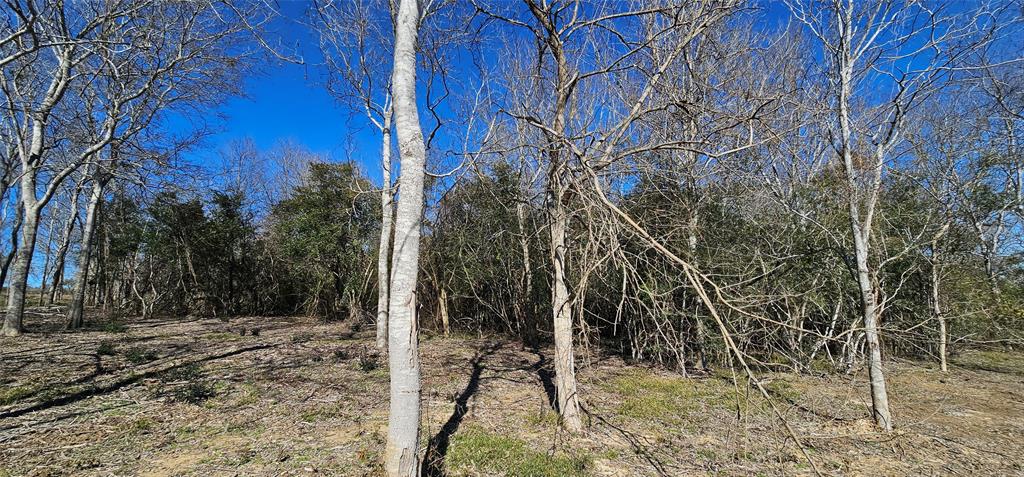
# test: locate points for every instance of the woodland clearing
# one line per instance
(177, 396)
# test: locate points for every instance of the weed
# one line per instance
(222, 336)
(249, 394)
(341, 354)
(545, 419)
(194, 392)
(140, 355)
(369, 453)
(321, 413)
(367, 363)
(783, 389)
(106, 348)
(138, 426)
(186, 372)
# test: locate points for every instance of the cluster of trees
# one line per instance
(89, 90)
(804, 185)
(227, 250)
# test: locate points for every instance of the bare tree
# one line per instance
(903, 52)
(355, 43)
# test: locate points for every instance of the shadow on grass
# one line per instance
(437, 448)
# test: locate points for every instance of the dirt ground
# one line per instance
(204, 397)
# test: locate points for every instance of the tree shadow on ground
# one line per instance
(94, 389)
(437, 448)
(546, 375)
(638, 443)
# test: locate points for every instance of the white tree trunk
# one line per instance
(565, 365)
(865, 196)
(939, 316)
(19, 273)
(879, 394)
(401, 454)
(384, 248)
(85, 252)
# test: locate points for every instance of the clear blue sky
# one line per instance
(289, 101)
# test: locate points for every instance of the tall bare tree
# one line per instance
(355, 41)
(881, 59)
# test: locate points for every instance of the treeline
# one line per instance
(210, 253)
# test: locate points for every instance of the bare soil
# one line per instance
(204, 397)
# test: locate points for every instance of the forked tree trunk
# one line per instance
(861, 195)
(387, 212)
(402, 450)
(85, 252)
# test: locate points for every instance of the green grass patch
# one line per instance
(1006, 362)
(11, 395)
(783, 389)
(321, 413)
(476, 451)
(669, 399)
(248, 394)
(545, 419)
(114, 327)
(138, 426)
(222, 336)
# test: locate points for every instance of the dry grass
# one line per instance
(195, 397)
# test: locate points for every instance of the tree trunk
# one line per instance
(939, 316)
(9, 259)
(19, 274)
(387, 212)
(526, 279)
(866, 196)
(879, 394)
(85, 252)
(46, 260)
(62, 250)
(442, 309)
(565, 365)
(402, 451)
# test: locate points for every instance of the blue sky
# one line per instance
(287, 101)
